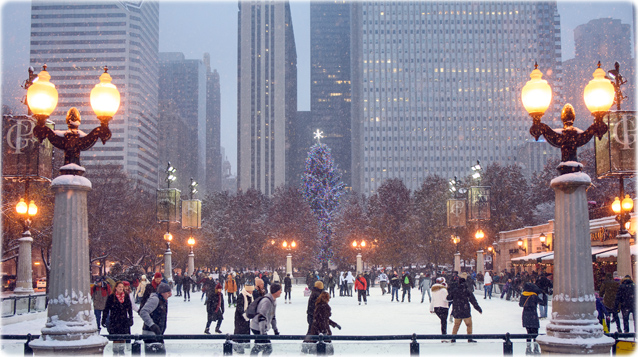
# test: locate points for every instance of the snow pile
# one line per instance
(73, 299)
(71, 180)
(571, 178)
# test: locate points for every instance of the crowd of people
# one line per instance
(253, 295)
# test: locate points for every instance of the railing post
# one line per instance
(27, 349)
(15, 306)
(228, 346)
(613, 348)
(136, 348)
(508, 348)
(414, 346)
(321, 346)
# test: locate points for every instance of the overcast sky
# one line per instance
(198, 27)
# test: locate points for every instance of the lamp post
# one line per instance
(289, 248)
(622, 209)
(358, 246)
(574, 327)
(543, 239)
(71, 326)
(191, 256)
(480, 263)
(520, 245)
(24, 278)
(457, 256)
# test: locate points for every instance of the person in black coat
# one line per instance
(186, 286)
(407, 283)
(316, 290)
(625, 300)
(529, 301)
(461, 298)
(242, 322)
(546, 287)
(321, 321)
(119, 314)
(215, 308)
(287, 288)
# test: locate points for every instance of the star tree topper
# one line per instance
(318, 135)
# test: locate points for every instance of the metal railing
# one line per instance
(23, 304)
(321, 340)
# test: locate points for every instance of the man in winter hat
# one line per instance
(154, 314)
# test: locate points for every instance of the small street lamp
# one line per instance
(191, 256)
(457, 256)
(623, 210)
(358, 246)
(479, 234)
(289, 248)
(24, 278)
(70, 248)
(543, 239)
(520, 245)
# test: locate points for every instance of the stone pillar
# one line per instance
(457, 262)
(624, 256)
(24, 278)
(359, 264)
(168, 265)
(480, 264)
(191, 263)
(289, 264)
(573, 328)
(71, 327)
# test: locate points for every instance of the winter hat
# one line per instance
(218, 286)
(126, 283)
(319, 284)
(249, 288)
(163, 288)
(157, 275)
(259, 282)
(627, 277)
(276, 287)
(463, 276)
(143, 277)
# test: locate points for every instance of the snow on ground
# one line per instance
(379, 317)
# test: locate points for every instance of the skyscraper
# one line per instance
(266, 93)
(213, 128)
(436, 85)
(76, 39)
(183, 84)
(330, 78)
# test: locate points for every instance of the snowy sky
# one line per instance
(210, 26)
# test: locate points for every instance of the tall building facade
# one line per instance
(213, 129)
(266, 93)
(605, 40)
(301, 139)
(436, 85)
(183, 89)
(76, 39)
(330, 86)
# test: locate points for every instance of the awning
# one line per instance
(549, 256)
(614, 252)
(533, 256)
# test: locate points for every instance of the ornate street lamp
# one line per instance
(520, 245)
(359, 246)
(289, 248)
(543, 239)
(191, 256)
(623, 210)
(191, 219)
(573, 327)
(70, 248)
(479, 234)
(457, 256)
(24, 282)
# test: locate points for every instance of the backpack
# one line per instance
(251, 311)
(406, 280)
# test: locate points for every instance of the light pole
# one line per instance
(358, 247)
(71, 326)
(191, 256)
(622, 209)
(457, 256)
(24, 278)
(543, 238)
(289, 248)
(191, 218)
(480, 264)
(574, 327)
(171, 176)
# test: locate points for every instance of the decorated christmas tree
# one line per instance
(322, 186)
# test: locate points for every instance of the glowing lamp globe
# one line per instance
(284, 244)
(616, 206)
(627, 204)
(42, 97)
(168, 237)
(599, 93)
(293, 244)
(536, 94)
(33, 209)
(363, 243)
(105, 98)
(191, 241)
(354, 243)
(479, 234)
(22, 207)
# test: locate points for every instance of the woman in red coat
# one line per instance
(361, 286)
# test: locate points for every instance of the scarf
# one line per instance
(528, 294)
(120, 297)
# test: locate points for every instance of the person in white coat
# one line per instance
(350, 282)
(439, 304)
(487, 281)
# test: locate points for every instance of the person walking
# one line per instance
(139, 293)
(118, 311)
(361, 287)
(366, 276)
(154, 314)
(625, 301)
(186, 286)
(316, 290)
(131, 296)
(487, 283)
(608, 291)
(529, 301)
(461, 298)
(99, 293)
(383, 282)
(332, 282)
(395, 283)
(215, 308)
(151, 288)
(439, 304)
(242, 322)
(231, 289)
(259, 288)
(265, 320)
(424, 286)
(350, 283)
(321, 322)
(407, 283)
(546, 286)
(342, 284)
(178, 284)
(287, 288)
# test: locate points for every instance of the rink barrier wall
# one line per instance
(23, 304)
(508, 346)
